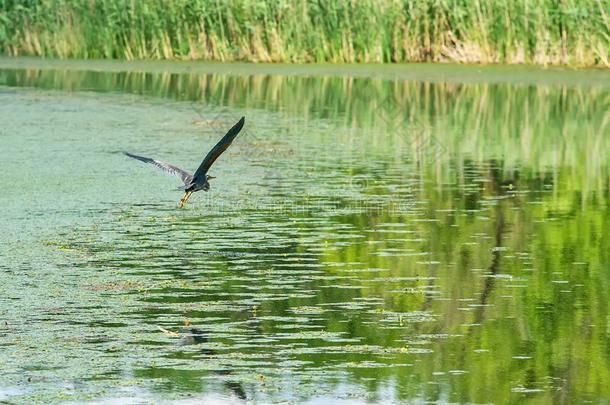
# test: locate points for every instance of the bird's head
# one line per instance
(206, 186)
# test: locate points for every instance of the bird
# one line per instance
(200, 179)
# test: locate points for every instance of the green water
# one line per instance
(365, 240)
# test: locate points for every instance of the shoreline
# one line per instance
(426, 72)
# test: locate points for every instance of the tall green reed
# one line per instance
(484, 31)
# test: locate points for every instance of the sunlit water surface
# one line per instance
(365, 240)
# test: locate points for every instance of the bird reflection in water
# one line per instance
(194, 336)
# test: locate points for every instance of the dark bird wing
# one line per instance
(217, 150)
(166, 167)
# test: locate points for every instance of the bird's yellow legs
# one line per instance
(184, 199)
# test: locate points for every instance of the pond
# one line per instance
(368, 237)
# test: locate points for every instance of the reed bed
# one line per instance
(557, 32)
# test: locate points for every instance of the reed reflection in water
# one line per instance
(406, 240)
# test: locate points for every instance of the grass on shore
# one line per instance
(558, 32)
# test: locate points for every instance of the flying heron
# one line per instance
(198, 180)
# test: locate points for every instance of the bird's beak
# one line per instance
(211, 177)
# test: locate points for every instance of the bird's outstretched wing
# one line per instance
(166, 167)
(217, 150)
